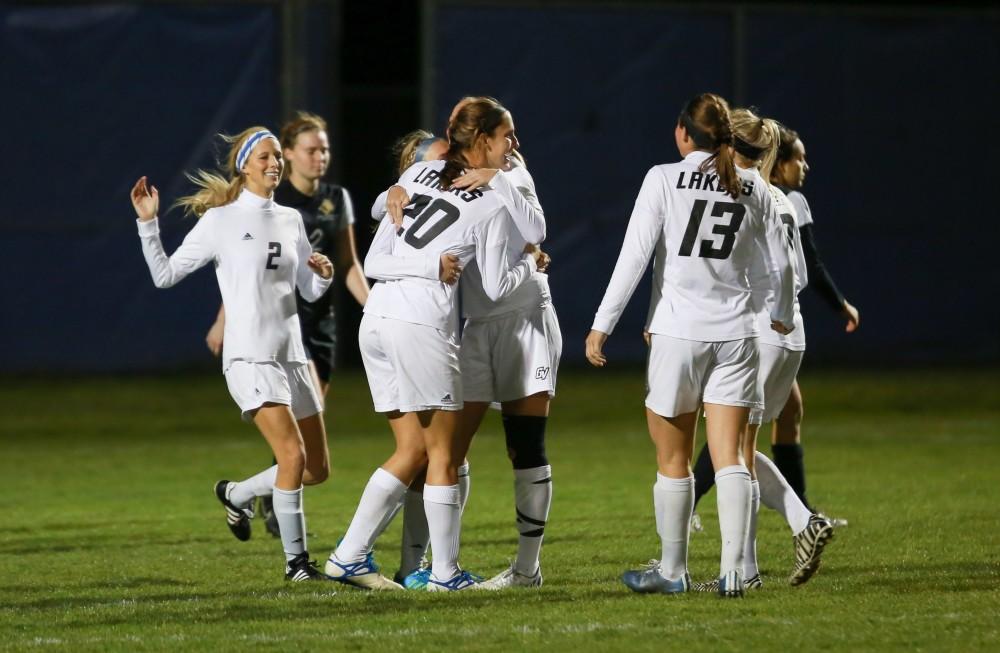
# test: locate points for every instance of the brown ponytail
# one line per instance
(707, 121)
(477, 117)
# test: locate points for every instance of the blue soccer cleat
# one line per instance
(650, 581)
(463, 580)
(364, 574)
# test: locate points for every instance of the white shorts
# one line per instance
(253, 384)
(410, 367)
(778, 369)
(512, 356)
(681, 374)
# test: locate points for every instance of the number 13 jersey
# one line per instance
(472, 225)
(705, 242)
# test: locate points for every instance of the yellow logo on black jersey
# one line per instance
(326, 207)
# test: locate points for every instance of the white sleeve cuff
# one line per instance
(148, 228)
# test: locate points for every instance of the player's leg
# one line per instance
(786, 443)
(751, 573)
(277, 425)
(704, 474)
(674, 376)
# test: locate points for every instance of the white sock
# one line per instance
(532, 500)
(777, 494)
(291, 521)
(464, 484)
(378, 502)
(259, 485)
(416, 537)
(733, 490)
(444, 521)
(750, 545)
(673, 501)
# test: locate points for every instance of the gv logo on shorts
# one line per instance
(542, 373)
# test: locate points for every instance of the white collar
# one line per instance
(251, 199)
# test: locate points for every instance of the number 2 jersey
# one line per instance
(705, 243)
(472, 225)
(259, 250)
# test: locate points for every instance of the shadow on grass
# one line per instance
(966, 576)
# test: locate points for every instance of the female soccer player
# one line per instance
(328, 214)
(261, 252)
(409, 340)
(707, 222)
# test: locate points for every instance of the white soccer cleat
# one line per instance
(364, 574)
(511, 577)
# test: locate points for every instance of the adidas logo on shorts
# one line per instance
(447, 397)
(247, 236)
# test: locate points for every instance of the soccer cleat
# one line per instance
(696, 526)
(266, 510)
(707, 586)
(649, 581)
(416, 580)
(809, 545)
(237, 518)
(731, 584)
(511, 577)
(301, 568)
(463, 580)
(755, 582)
(364, 574)
(836, 522)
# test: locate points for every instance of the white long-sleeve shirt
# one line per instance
(705, 242)
(516, 190)
(760, 280)
(259, 250)
(472, 225)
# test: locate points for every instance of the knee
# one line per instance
(525, 436)
(316, 473)
(291, 453)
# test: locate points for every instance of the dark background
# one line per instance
(896, 106)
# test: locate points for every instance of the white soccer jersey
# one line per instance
(705, 243)
(472, 225)
(764, 294)
(803, 214)
(259, 249)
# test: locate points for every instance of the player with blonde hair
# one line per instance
(260, 252)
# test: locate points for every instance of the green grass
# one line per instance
(112, 540)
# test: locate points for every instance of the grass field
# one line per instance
(112, 540)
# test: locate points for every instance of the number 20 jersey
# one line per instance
(472, 225)
(705, 242)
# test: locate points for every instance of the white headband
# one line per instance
(249, 144)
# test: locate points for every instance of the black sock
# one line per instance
(788, 459)
(704, 475)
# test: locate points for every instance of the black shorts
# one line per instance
(319, 335)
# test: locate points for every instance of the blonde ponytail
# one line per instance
(214, 189)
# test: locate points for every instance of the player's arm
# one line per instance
(216, 332)
(346, 261)
(644, 228)
(821, 280)
(193, 253)
(521, 201)
(501, 275)
(314, 272)
(382, 264)
(775, 250)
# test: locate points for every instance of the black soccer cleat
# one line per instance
(301, 568)
(809, 545)
(238, 519)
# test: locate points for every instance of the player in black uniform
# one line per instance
(789, 175)
(328, 215)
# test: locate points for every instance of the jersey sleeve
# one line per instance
(311, 285)
(194, 252)
(803, 214)
(500, 274)
(347, 210)
(379, 206)
(774, 250)
(382, 264)
(522, 203)
(644, 229)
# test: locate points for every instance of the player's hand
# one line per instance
(450, 269)
(145, 200)
(595, 343)
(781, 328)
(321, 265)
(474, 178)
(542, 260)
(647, 338)
(396, 201)
(214, 336)
(853, 317)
